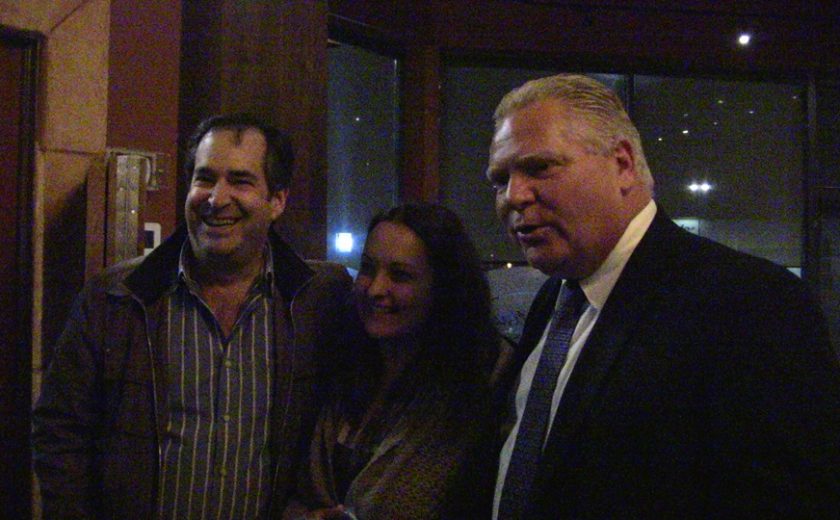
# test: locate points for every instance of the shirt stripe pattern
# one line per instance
(215, 458)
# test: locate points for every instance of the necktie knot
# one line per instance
(571, 299)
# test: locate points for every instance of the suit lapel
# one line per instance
(635, 290)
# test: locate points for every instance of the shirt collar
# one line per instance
(265, 281)
(598, 286)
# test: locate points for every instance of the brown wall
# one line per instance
(111, 82)
(108, 77)
(143, 79)
(267, 58)
(142, 112)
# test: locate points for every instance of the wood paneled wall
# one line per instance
(267, 58)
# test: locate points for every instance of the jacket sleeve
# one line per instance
(65, 420)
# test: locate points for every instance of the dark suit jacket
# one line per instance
(707, 388)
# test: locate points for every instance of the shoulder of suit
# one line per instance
(715, 254)
(704, 265)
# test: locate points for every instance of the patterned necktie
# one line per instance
(534, 424)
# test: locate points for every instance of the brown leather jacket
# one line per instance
(100, 417)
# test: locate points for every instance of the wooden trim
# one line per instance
(16, 497)
(420, 125)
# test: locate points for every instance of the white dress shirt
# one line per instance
(597, 288)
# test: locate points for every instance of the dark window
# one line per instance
(362, 144)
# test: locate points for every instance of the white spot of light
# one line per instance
(744, 39)
(700, 187)
(344, 242)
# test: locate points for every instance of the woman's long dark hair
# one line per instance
(460, 342)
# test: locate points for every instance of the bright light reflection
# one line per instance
(344, 242)
(702, 187)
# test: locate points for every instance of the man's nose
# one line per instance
(378, 284)
(220, 194)
(519, 191)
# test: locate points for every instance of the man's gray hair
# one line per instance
(605, 122)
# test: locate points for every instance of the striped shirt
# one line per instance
(215, 460)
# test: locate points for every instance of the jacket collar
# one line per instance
(159, 270)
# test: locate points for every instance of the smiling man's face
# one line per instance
(229, 207)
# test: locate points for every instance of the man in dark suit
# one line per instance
(693, 381)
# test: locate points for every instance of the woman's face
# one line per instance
(393, 289)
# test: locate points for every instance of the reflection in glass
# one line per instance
(361, 146)
(728, 154)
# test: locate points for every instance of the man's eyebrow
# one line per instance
(529, 160)
(542, 157)
(242, 173)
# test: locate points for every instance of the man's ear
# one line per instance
(278, 202)
(625, 158)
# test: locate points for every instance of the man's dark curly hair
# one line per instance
(279, 157)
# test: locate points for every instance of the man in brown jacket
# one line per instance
(185, 382)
